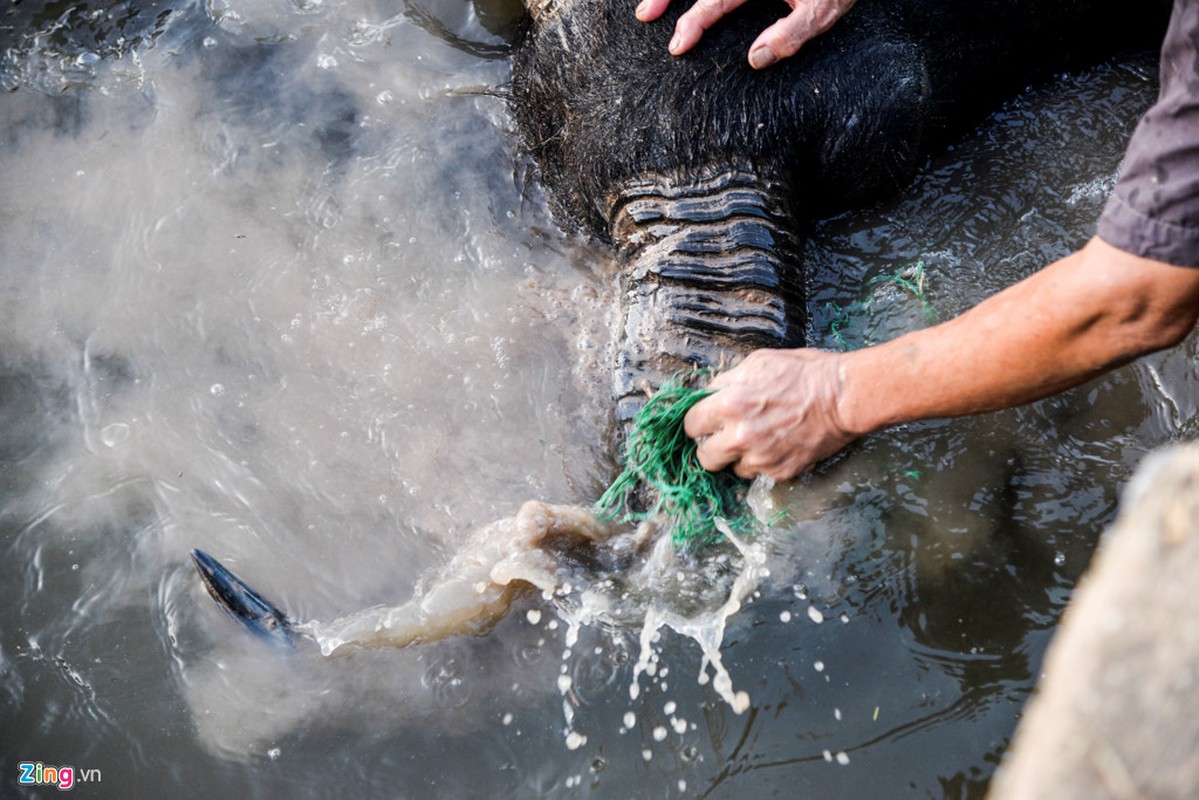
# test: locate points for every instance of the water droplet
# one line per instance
(209, 41)
(533, 615)
(815, 615)
(630, 719)
(216, 390)
(785, 616)
(274, 753)
(444, 680)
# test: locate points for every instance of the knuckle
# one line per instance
(724, 402)
(739, 439)
(791, 40)
(755, 356)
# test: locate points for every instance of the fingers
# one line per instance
(720, 445)
(773, 414)
(721, 451)
(702, 419)
(650, 10)
(715, 447)
(809, 19)
(697, 19)
(717, 451)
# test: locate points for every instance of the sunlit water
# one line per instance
(276, 283)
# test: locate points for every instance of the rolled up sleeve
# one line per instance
(1154, 210)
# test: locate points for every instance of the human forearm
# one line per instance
(779, 412)
(1062, 326)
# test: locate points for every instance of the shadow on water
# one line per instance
(269, 288)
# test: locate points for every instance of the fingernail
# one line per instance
(642, 7)
(761, 57)
(676, 43)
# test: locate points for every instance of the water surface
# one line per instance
(278, 284)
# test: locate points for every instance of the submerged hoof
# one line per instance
(251, 609)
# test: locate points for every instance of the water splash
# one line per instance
(476, 588)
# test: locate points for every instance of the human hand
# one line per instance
(808, 19)
(775, 414)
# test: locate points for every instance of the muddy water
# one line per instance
(276, 284)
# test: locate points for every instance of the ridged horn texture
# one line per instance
(707, 271)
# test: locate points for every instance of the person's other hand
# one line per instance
(808, 19)
(773, 414)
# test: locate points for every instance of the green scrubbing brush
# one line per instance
(660, 455)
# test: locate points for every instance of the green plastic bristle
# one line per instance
(660, 455)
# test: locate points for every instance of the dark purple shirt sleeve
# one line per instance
(1154, 210)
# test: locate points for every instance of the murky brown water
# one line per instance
(277, 286)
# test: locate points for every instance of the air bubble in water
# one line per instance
(114, 434)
